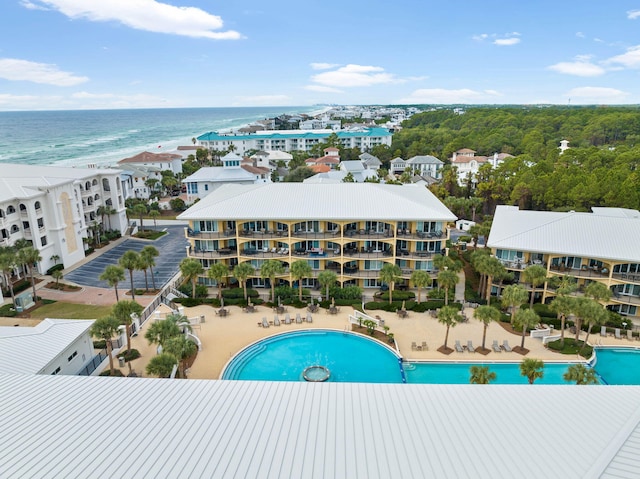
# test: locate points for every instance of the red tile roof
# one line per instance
(148, 157)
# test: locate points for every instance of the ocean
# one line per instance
(103, 137)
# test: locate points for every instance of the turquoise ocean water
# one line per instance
(103, 137)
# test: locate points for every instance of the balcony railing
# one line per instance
(627, 277)
(219, 253)
(625, 299)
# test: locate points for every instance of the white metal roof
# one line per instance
(219, 174)
(602, 234)
(343, 201)
(29, 350)
(68, 426)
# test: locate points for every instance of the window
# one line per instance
(37, 205)
(40, 223)
(55, 373)
(70, 358)
(43, 241)
(11, 209)
(206, 187)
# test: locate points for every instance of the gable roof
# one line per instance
(424, 160)
(148, 157)
(588, 235)
(29, 350)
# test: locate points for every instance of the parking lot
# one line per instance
(171, 248)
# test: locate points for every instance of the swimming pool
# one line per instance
(618, 365)
(349, 357)
(340, 356)
(458, 373)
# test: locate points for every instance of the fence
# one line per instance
(169, 287)
(92, 365)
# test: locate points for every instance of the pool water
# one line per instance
(348, 357)
(618, 365)
(351, 357)
(459, 373)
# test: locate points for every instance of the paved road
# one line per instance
(172, 250)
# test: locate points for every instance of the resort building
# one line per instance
(600, 246)
(294, 140)
(57, 208)
(55, 346)
(351, 229)
(468, 164)
(161, 161)
(232, 171)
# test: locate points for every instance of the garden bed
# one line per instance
(62, 287)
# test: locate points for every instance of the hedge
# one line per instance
(235, 293)
(56, 267)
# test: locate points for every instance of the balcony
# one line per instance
(618, 298)
(316, 234)
(219, 253)
(627, 277)
(368, 234)
(209, 234)
(582, 272)
(367, 253)
(265, 234)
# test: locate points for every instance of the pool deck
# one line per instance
(223, 337)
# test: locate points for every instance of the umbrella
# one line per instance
(279, 302)
(222, 302)
(403, 305)
(333, 302)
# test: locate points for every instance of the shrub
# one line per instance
(177, 204)
(189, 302)
(436, 294)
(8, 311)
(239, 293)
(201, 290)
(99, 344)
(348, 292)
(129, 355)
(57, 267)
(570, 347)
(116, 372)
(397, 295)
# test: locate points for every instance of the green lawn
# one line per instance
(60, 310)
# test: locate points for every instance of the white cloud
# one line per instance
(594, 94)
(23, 70)
(322, 89)
(630, 59)
(148, 15)
(633, 14)
(444, 96)
(580, 35)
(581, 67)
(506, 41)
(480, 37)
(31, 6)
(262, 100)
(355, 76)
(324, 66)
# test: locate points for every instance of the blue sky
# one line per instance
(85, 54)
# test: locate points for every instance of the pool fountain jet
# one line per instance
(316, 374)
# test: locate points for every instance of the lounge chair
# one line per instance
(414, 346)
(459, 347)
(287, 319)
(298, 318)
(629, 335)
(496, 347)
(424, 346)
(265, 323)
(470, 347)
(309, 318)
(603, 331)
(276, 320)
(617, 333)
(505, 346)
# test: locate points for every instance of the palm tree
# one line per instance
(145, 262)
(389, 274)
(181, 348)
(29, 256)
(595, 315)
(218, 272)
(327, 279)
(113, 274)
(486, 315)
(598, 291)
(122, 312)
(420, 279)
(526, 318)
(7, 264)
(55, 258)
(441, 262)
(270, 269)
(479, 260)
(493, 269)
(300, 269)
(148, 255)
(581, 374)
(532, 369)
(154, 214)
(513, 296)
(160, 331)
(130, 261)
(191, 269)
(241, 272)
(106, 328)
(109, 210)
(57, 275)
(140, 210)
(448, 316)
(481, 375)
(534, 275)
(161, 365)
(447, 279)
(563, 306)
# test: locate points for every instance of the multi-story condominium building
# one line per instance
(294, 140)
(600, 246)
(351, 229)
(55, 208)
